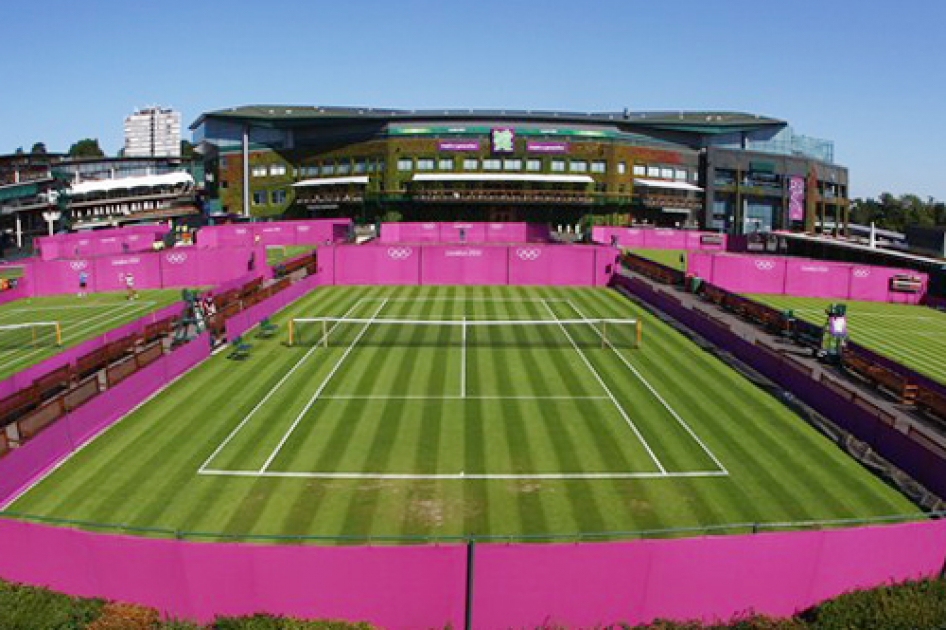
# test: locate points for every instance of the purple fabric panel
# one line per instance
(817, 278)
(627, 237)
(23, 465)
(899, 368)
(700, 264)
(237, 325)
(538, 233)
(54, 277)
(11, 295)
(551, 265)
(445, 264)
(320, 231)
(410, 232)
(240, 235)
(381, 264)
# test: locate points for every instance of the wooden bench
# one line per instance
(241, 349)
(882, 378)
(932, 403)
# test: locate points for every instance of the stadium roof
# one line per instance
(281, 116)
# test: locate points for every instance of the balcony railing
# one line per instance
(506, 195)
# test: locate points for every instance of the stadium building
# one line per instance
(733, 172)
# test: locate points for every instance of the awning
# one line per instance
(126, 183)
(676, 210)
(333, 181)
(502, 177)
(660, 183)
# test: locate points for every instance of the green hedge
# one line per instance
(909, 606)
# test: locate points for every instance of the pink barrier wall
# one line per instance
(475, 233)
(381, 264)
(657, 238)
(24, 465)
(138, 238)
(391, 587)
(177, 267)
(445, 264)
(311, 232)
(527, 264)
(590, 585)
(244, 320)
(801, 277)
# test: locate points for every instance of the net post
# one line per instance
(58, 334)
(291, 326)
(639, 334)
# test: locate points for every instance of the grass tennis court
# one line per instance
(275, 254)
(414, 430)
(668, 257)
(912, 335)
(79, 319)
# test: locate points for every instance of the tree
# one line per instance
(19, 151)
(187, 150)
(87, 147)
(39, 148)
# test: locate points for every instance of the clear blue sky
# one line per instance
(869, 75)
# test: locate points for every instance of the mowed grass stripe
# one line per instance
(780, 468)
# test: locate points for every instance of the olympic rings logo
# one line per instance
(78, 265)
(528, 254)
(765, 265)
(177, 259)
(861, 273)
(399, 253)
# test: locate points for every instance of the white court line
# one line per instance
(853, 315)
(269, 395)
(614, 400)
(67, 306)
(19, 357)
(319, 391)
(438, 298)
(462, 475)
(656, 395)
(463, 362)
(423, 397)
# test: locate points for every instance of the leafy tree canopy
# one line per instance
(87, 147)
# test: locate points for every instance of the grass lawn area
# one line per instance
(668, 257)
(427, 431)
(275, 254)
(79, 319)
(912, 335)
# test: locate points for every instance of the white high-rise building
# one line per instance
(153, 132)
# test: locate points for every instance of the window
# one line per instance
(425, 164)
(344, 168)
(558, 166)
(534, 165)
(599, 166)
(492, 165)
(514, 164)
(278, 197)
(601, 187)
(277, 170)
(259, 197)
(578, 166)
(470, 164)
(445, 164)
(360, 166)
(405, 164)
(680, 174)
(328, 168)
(259, 171)
(653, 171)
(666, 173)
(639, 170)
(622, 168)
